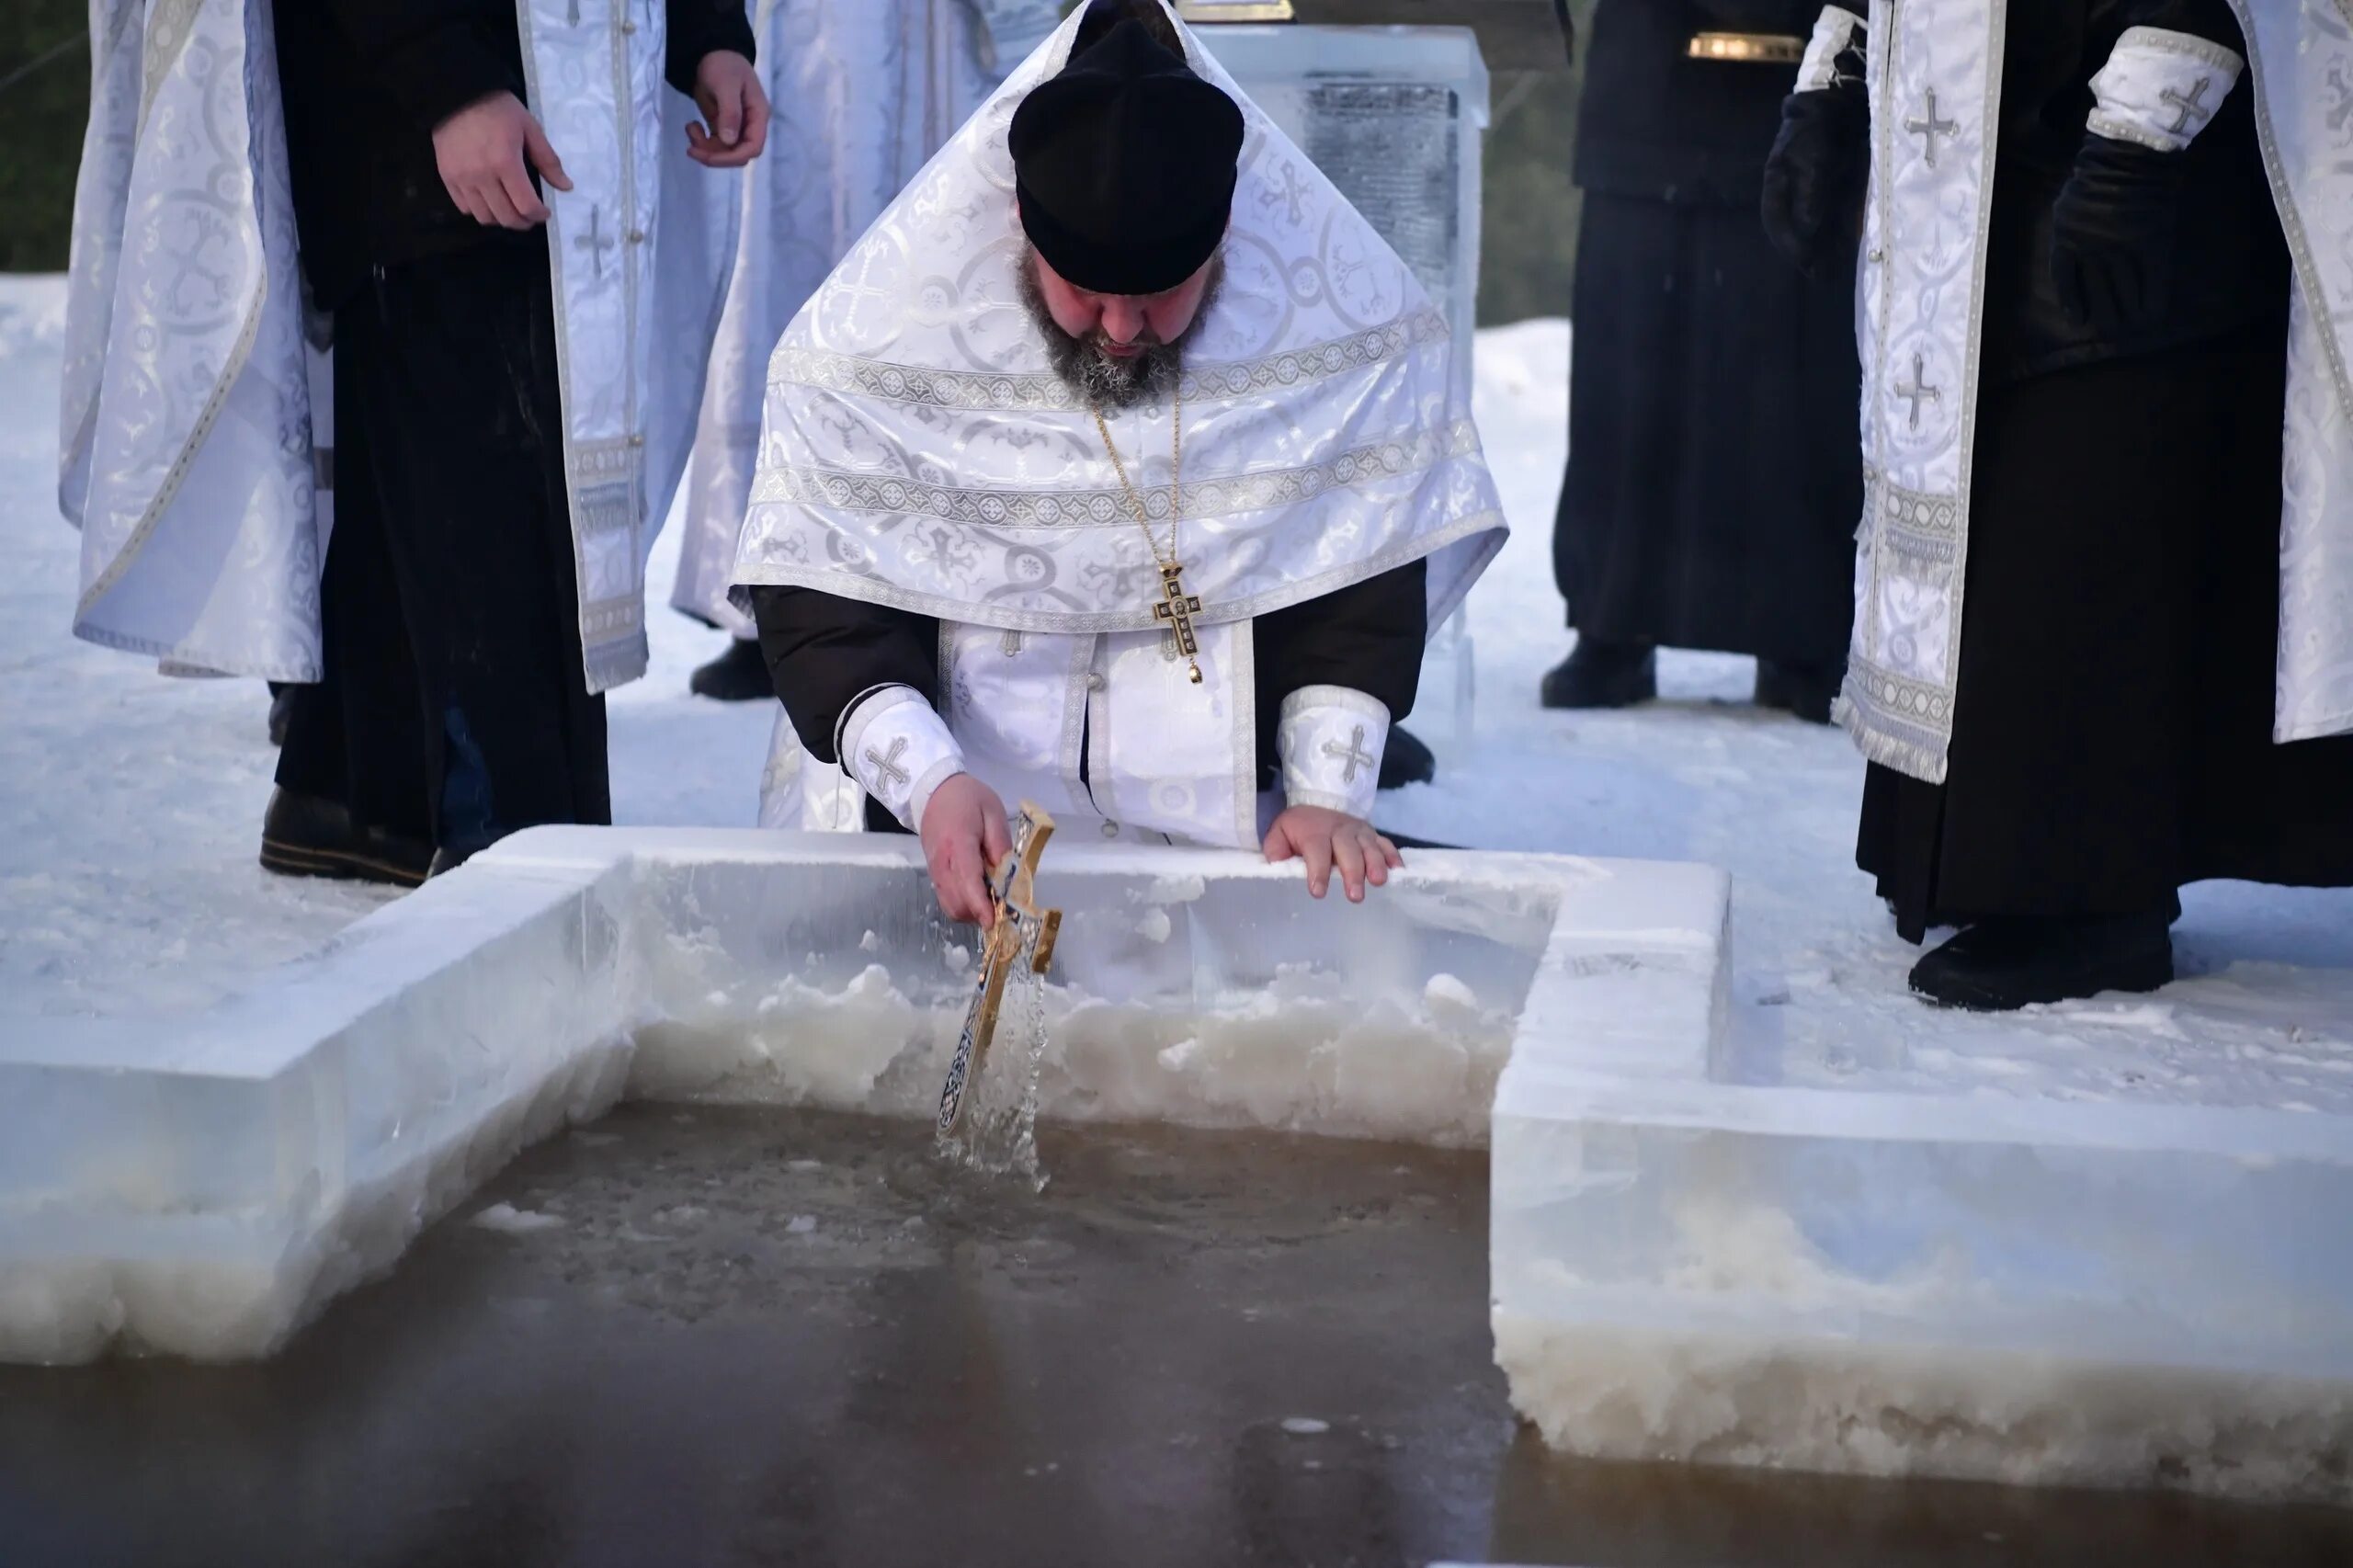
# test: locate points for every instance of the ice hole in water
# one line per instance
(1696, 1251)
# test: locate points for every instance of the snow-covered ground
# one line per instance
(130, 811)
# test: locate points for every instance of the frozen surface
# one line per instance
(2106, 1240)
(131, 805)
(201, 1191)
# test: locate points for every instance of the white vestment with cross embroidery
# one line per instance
(918, 451)
(187, 457)
(1935, 76)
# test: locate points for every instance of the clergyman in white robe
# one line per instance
(865, 92)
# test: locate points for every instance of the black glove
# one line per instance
(1820, 168)
(2112, 233)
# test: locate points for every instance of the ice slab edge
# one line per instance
(202, 1187)
(1692, 1268)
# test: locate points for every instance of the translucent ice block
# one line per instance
(201, 1186)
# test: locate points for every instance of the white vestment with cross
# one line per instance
(1935, 79)
(194, 414)
(918, 450)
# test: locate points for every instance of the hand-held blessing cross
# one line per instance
(1018, 929)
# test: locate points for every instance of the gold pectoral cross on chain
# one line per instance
(1175, 611)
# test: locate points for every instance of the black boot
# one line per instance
(1998, 966)
(1407, 761)
(1603, 675)
(305, 836)
(1806, 690)
(740, 675)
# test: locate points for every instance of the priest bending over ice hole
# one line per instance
(1120, 467)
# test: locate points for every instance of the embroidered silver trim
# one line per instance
(796, 484)
(1032, 391)
(2158, 88)
(852, 585)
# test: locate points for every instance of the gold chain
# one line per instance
(1167, 561)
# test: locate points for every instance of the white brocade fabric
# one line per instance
(2301, 52)
(2160, 89)
(899, 751)
(186, 442)
(187, 455)
(634, 318)
(1919, 307)
(1331, 739)
(917, 450)
(864, 93)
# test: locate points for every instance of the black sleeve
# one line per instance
(434, 57)
(703, 27)
(2211, 19)
(825, 651)
(1367, 637)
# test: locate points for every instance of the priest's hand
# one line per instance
(481, 151)
(964, 835)
(2112, 234)
(1327, 839)
(733, 106)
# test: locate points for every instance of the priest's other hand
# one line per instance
(2112, 234)
(964, 835)
(734, 109)
(1327, 839)
(481, 151)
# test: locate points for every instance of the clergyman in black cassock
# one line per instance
(454, 707)
(1713, 481)
(2113, 728)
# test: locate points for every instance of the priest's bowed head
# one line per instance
(1162, 559)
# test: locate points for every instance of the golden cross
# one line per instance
(1016, 926)
(1177, 608)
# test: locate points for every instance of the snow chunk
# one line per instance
(508, 1220)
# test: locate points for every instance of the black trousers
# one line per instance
(1714, 482)
(2112, 727)
(453, 707)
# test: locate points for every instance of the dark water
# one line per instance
(687, 1372)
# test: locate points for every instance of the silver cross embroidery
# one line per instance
(2192, 104)
(888, 772)
(1353, 754)
(1931, 128)
(596, 241)
(1919, 388)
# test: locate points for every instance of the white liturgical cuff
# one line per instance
(2160, 89)
(1330, 739)
(899, 751)
(1834, 32)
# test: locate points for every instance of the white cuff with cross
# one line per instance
(2160, 89)
(1330, 739)
(898, 750)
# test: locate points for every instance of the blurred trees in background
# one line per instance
(1531, 208)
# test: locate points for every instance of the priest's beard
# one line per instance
(1103, 381)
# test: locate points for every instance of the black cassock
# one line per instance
(826, 651)
(1714, 482)
(453, 709)
(2112, 723)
